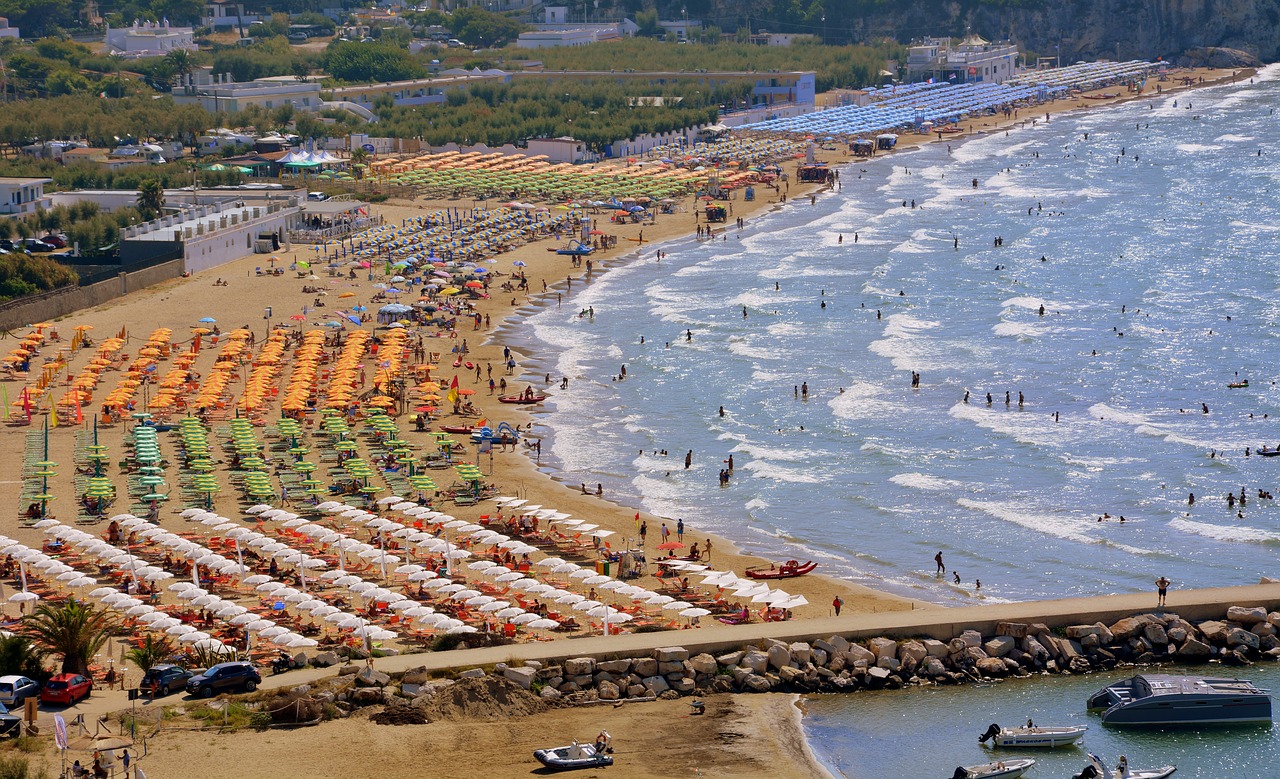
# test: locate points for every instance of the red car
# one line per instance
(66, 689)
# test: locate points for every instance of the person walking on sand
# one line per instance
(1162, 590)
(837, 603)
(942, 568)
(644, 531)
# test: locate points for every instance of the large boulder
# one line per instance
(998, 646)
(1194, 648)
(522, 676)
(644, 666)
(757, 683)
(608, 691)
(1247, 615)
(370, 677)
(883, 647)
(1156, 634)
(800, 652)
(580, 666)
(656, 685)
(992, 666)
(703, 664)
(1238, 637)
(755, 660)
(971, 637)
(857, 653)
(1129, 627)
(617, 667)
(1215, 632)
(779, 656)
(731, 658)
(933, 667)
(935, 648)
(671, 654)
(1011, 629)
(912, 650)
(835, 644)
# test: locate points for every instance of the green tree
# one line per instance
(150, 198)
(478, 27)
(153, 651)
(367, 62)
(18, 656)
(182, 63)
(72, 631)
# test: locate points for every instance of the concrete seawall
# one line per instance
(942, 624)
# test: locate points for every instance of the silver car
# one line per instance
(15, 689)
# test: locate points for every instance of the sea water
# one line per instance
(1152, 246)
(928, 731)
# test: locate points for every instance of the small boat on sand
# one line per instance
(1001, 769)
(1096, 770)
(573, 757)
(523, 398)
(788, 570)
(1032, 736)
(462, 429)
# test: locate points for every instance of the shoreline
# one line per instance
(763, 206)
(184, 295)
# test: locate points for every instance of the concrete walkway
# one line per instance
(942, 624)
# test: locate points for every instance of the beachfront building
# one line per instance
(206, 236)
(221, 14)
(972, 60)
(149, 39)
(6, 31)
(216, 92)
(22, 195)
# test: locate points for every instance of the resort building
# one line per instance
(149, 39)
(22, 195)
(216, 92)
(6, 31)
(972, 60)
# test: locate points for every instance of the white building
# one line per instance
(149, 39)
(218, 92)
(563, 149)
(6, 31)
(973, 60)
(221, 14)
(22, 196)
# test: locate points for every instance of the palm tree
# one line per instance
(73, 631)
(181, 62)
(152, 652)
(18, 656)
(150, 198)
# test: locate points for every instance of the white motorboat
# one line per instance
(1096, 770)
(1001, 769)
(1032, 736)
(1163, 700)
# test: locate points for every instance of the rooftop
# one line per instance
(20, 181)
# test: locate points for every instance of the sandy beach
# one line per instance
(739, 735)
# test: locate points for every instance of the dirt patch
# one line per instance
(486, 697)
(400, 715)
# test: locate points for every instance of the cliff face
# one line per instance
(1089, 29)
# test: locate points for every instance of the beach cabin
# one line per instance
(717, 213)
(886, 142)
(862, 148)
(813, 173)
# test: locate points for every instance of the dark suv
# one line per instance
(224, 677)
(164, 679)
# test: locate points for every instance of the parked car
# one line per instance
(8, 243)
(56, 241)
(66, 689)
(224, 677)
(299, 37)
(16, 689)
(10, 724)
(36, 245)
(165, 679)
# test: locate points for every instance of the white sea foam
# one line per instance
(862, 400)
(1233, 138)
(763, 469)
(1196, 148)
(922, 481)
(1225, 532)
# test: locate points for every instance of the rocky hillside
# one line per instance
(1083, 29)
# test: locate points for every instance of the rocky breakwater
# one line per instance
(834, 664)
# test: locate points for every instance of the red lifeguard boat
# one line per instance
(788, 570)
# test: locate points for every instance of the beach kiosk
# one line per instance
(886, 142)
